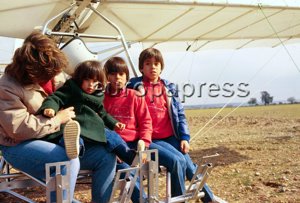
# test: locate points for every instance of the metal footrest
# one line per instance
(58, 182)
(124, 185)
(193, 191)
(149, 171)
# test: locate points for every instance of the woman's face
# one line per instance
(117, 81)
(151, 69)
(89, 86)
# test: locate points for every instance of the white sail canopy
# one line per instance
(195, 24)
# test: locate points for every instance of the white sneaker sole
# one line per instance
(71, 139)
(140, 145)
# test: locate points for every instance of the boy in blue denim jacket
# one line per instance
(170, 128)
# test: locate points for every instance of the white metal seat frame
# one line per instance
(14, 179)
(124, 184)
(148, 169)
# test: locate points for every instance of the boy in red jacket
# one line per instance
(129, 108)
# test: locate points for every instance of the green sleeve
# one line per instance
(109, 121)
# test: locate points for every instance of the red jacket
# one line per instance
(130, 109)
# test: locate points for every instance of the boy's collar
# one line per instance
(146, 80)
(118, 93)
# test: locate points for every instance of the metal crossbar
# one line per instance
(124, 184)
(193, 191)
(58, 182)
(14, 179)
(149, 175)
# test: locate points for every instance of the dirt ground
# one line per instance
(258, 151)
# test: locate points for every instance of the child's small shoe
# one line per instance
(140, 145)
(71, 139)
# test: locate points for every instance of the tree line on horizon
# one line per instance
(267, 99)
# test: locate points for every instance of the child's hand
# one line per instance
(49, 113)
(120, 126)
(119, 161)
(184, 146)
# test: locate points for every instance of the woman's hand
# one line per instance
(65, 115)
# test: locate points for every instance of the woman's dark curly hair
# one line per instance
(37, 60)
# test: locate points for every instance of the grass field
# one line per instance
(259, 151)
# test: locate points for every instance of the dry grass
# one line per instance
(259, 151)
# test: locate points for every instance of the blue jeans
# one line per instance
(118, 146)
(113, 140)
(191, 168)
(135, 197)
(102, 163)
(174, 161)
(31, 157)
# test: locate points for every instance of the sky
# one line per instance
(207, 73)
(221, 75)
(202, 76)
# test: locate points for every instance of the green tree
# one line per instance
(252, 101)
(266, 98)
(291, 100)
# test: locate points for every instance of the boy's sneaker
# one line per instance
(71, 139)
(140, 145)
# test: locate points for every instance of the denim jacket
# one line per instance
(175, 108)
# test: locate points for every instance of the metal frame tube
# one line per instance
(84, 35)
(53, 18)
(121, 35)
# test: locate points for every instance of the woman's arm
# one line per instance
(19, 123)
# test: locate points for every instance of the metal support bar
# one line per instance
(54, 17)
(58, 182)
(193, 191)
(123, 185)
(121, 35)
(18, 196)
(14, 180)
(75, 34)
(149, 169)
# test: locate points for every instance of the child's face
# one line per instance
(151, 69)
(117, 80)
(89, 86)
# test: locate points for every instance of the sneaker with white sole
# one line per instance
(71, 139)
(140, 145)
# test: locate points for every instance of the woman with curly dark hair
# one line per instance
(35, 73)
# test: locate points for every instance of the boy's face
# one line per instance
(117, 80)
(151, 69)
(89, 86)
